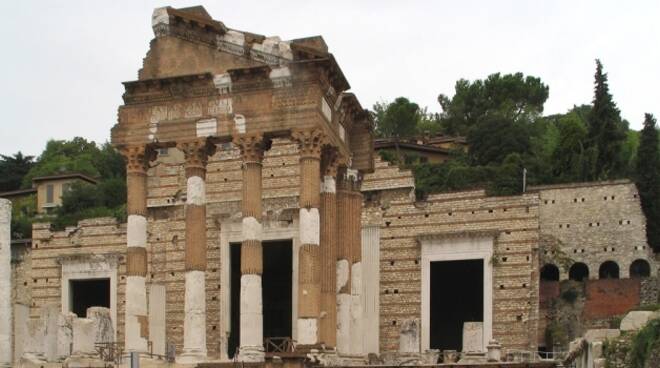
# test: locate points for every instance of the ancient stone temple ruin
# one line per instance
(261, 227)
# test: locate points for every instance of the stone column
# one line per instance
(252, 149)
(355, 239)
(196, 153)
(328, 237)
(135, 325)
(310, 142)
(5, 284)
(343, 272)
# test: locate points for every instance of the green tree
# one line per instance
(12, 170)
(571, 160)
(607, 132)
(397, 119)
(494, 138)
(513, 97)
(648, 179)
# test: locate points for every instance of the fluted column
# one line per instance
(355, 239)
(252, 149)
(136, 328)
(344, 261)
(6, 333)
(328, 216)
(310, 143)
(196, 154)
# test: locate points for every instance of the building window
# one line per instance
(49, 193)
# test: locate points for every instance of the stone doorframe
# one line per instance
(231, 232)
(87, 267)
(457, 247)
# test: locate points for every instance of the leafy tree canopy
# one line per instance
(510, 96)
(76, 155)
(12, 170)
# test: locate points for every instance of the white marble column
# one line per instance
(5, 284)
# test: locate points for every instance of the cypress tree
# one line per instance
(606, 131)
(648, 179)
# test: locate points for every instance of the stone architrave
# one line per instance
(5, 285)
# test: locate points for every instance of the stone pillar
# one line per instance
(5, 284)
(355, 239)
(343, 272)
(310, 143)
(328, 237)
(252, 149)
(196, 153)
(371, 287)
(137, 163)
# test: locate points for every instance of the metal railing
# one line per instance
(278, 345)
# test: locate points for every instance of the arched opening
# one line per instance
(640, 268)
(578, 272)
(608, 270)
(549, 272)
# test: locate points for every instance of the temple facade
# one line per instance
(261, 223)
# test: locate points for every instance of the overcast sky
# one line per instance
(63, 61)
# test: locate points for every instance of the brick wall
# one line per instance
(609, 298)
(402, 220)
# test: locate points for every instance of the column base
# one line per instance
(192, 356)
(251, 354)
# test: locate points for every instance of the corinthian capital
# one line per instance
(310, 142)
(137, 158)
(331, 159)
(252, 146)
(196, 153)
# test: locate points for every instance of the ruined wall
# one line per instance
(389, 203)
(595, 222)
(100, 237)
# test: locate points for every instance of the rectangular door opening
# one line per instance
(88, 293)
(276, 282)
(457, 297)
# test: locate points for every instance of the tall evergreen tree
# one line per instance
(606, 130)
(12, 170)
(648, 179)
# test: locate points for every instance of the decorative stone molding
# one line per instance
(196, 153)
(310, 142)
(252, 147)
(331, 159)
(137, 158)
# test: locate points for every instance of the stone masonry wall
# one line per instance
(99, 236)
(515, 279)
(595, 222)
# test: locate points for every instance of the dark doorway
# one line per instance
(276, 284)
(608, 270)
(640, 268)
(456, 297)
(549, 272)
(88, 293)
(578, 272)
